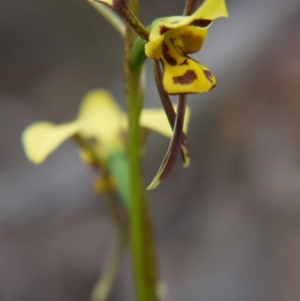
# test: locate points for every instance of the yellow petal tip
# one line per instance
(153, 184)
(186, 161)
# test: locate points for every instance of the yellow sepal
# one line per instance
(211, 10)
(156, 120)
(42, 138)
(153, 48)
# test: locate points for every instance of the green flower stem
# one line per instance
(105, 283)
(142, 244)
(141, 237)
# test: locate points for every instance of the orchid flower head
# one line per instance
(173, 38)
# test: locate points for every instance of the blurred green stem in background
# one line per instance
(105, 283)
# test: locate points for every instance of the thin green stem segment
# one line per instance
(105, 283)
(141, 237)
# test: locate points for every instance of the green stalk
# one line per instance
(105, 283)
(141, 236)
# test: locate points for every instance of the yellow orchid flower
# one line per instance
(100, 129)
(173, 38)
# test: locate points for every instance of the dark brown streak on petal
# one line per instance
(163, 29)
(208, 75)
(175, 144)
(212, 87)
(201, 23)
(165, 51)
(185, 62)
(166, 102)
(188, 77)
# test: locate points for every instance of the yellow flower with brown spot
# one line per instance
(173, 38)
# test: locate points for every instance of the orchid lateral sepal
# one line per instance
(124, 12)
(110, 15)
(169, 110)
(174, 147)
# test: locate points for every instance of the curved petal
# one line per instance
(174, 147)
(187, 78)
(156, 120)
(42, 138)
(188, 39)
(153, 48)
(211, 10)
(162, 25)
(202, 17)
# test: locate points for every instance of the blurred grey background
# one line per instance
(227, 228)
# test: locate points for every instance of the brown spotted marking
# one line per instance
(201, 23)
(188, 77)
(165, 51)
(163, 29)
(185, 62)
(208, 75)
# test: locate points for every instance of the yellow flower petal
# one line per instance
(101, 121)
(42, 138)
(160, 26)
(210, 10)
(153, 48)
(188, 39)
(156, 120)
(182, 74)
